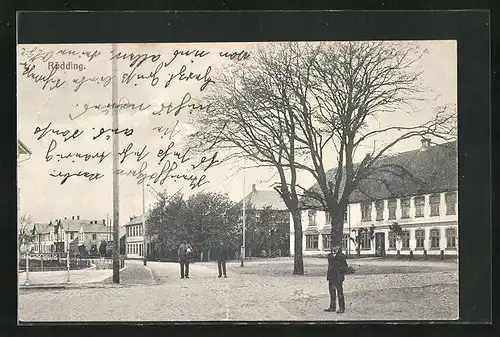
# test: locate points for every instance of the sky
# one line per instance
(45, 198)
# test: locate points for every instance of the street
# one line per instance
(263, 290)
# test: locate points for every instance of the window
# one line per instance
(434, 202)
(365, 241)
(366, 212)
(72, 236)
(420, 237)
(311, 242)
(257, 217)
(128, 248)
(345, 241)
(451, 199)
(405, 208)
(94, 247)
(327, 240)
(345, 215)
(392, 240)
(451, 238)
(434, 236)
(392, 205)
(405, 240)
(379, 208)
(312, 217)
(419, 206)
(328, 218)
(94, 236)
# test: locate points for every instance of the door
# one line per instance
(379, 244)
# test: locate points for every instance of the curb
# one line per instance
(70, 286)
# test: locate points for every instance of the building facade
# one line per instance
(267, 206)
(423, 202)
(62, 234)
(134, 238)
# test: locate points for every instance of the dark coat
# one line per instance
(182, 252)
(337, 267)
(221, 253)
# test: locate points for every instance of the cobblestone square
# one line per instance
(262, 290)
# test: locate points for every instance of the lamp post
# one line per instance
(27, 282)
(67, 254)
(243, 252)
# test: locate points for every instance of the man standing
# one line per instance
(221, 259)
(337, 267)
(185, 253)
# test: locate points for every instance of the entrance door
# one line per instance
(379, 244)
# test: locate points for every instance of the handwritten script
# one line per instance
(150, 149)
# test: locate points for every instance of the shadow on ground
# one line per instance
(433, 302)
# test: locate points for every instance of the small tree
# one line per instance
(26, 231)
(358, 235)
(398, 232)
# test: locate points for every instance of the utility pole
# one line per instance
(116, 180)
(143, 225)
(243, 251)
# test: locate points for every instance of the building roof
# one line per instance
(407, 173)
(137, 220)
(42, 228)
(21, 148)
(260, 199)
(311, 231)
(74, 225)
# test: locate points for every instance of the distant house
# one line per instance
(134, 237)
(62, 234)
(420, 194)
(259, 201)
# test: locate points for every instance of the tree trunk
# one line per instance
(298, 261)
(337, 224)
(209, 251)
(201, 256)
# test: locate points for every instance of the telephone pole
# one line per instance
(243, 251)
(143, 225)
(116, 180)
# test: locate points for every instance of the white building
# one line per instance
(134, 241)
(420, 194)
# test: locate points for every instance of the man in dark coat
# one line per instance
(185, 253)
(337, 267)
(221, 257)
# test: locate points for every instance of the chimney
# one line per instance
(253, 188)
(78, 217)
(72, 217)
(65, 218)
(103, 221)
(131, 218)
(425, 144)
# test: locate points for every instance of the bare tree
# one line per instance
(298, 102)
(25, 231)
(337, 92)
(250, 120)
